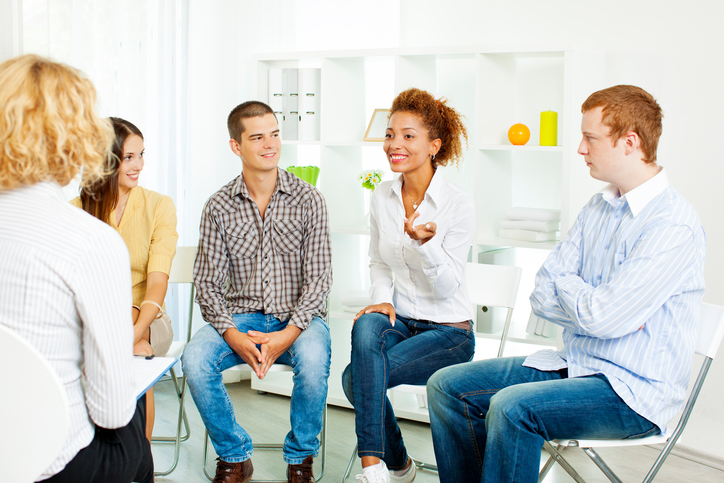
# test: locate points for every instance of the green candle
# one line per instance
(549, 128)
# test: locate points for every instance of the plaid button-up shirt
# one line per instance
(279, 265)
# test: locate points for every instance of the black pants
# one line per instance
(120, 455)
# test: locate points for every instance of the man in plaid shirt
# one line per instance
(262, 273)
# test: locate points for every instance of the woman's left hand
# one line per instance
(423, 232)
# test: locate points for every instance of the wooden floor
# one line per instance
(266, 418)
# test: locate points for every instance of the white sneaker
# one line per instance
(407, 477)
(374, 474)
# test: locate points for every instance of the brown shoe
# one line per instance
(301, 473)
(233, 472)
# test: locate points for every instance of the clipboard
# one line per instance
(147, 372)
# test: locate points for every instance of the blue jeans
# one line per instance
(208, 354)
(490, 418)
(384, 356)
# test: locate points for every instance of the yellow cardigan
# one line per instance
(148, 227)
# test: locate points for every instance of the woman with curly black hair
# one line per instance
(420, 317)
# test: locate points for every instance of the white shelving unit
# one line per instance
(494, 87)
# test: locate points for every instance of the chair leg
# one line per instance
(546, 468)
(349, 465)
(267, 446)
(182, 420)
(562, 461)
(602, 465)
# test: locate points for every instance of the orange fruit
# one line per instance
(518, 134)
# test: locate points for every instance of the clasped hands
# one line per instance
(272, 345)
(423, 232)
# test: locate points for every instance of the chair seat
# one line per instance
(421, 390)
(176, 349)
(611, 443)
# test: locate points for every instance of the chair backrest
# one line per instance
(34, 414)
(711, 329)
(493, 285)
(182, 271)
(182, 268)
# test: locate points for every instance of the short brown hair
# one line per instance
(244, 111)
(49, 128)
(629, 109)
(442, 122)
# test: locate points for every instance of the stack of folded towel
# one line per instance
(531, 224)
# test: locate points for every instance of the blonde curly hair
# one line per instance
(49, 128)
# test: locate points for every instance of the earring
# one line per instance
(432, 157)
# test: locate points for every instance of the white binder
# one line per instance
(276, 89)
(290, 104)
(309, 102)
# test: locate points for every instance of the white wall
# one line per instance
(670, 48)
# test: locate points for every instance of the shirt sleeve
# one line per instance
(316, 264)
(210, 272)
(102, 299)
(641, 283)
(164, 237)
(444, 256)
(381, 274)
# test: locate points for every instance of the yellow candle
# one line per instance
(549, 128)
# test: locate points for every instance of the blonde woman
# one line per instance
(64, 279)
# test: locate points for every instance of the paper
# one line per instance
(146, 372)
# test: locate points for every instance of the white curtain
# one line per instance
(136, 53)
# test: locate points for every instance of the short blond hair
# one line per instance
(49, 128)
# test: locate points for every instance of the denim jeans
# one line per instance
(208, 354)
(384, 356)
(490, 418)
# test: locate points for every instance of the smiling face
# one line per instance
(131, 164)
(407, 143)
(604, 158)
(260, 145)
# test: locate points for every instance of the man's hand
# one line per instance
(383, 308)
(420, 232)
(276, 344)
(245, 346)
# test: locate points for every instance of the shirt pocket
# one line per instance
(288, 235)
(242, 240)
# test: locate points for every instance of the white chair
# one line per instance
(490, 286)
(34, 414)
(273, 446)
(711, 331)
(182, 271)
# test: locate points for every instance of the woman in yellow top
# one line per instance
(146, 221)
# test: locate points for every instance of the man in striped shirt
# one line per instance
(625, 284)
(262, 274)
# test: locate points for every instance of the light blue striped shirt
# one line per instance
(630, 261)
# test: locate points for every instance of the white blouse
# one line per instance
(422, 282)
(65, 287)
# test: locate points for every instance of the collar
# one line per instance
(433, 190)
(284, 184)
(641, 195)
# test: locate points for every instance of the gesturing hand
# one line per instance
(245, 346)
(383, 308)
(423, 232)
